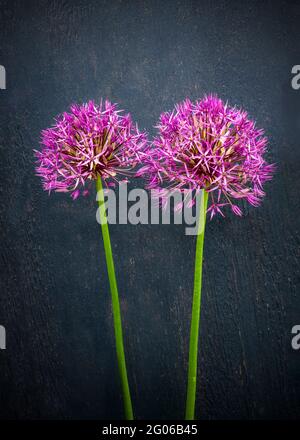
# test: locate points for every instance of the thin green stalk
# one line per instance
(195, 322)
(115, 303)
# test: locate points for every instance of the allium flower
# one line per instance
(93, 143)
(90, 141)
(209, 145)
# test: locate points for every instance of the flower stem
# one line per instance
(195, 322)
(115, 303)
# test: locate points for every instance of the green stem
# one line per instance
(115, 303)
(194, 332)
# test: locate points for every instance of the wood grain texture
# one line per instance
(55, 304)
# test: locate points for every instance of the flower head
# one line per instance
(209, 145)
(90, 141)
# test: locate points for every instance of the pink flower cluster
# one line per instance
(204, 145)
(90, 141)
(209, 145)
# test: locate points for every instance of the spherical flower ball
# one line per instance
(212, 146)
(88, 142)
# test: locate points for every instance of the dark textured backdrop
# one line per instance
(60, 360)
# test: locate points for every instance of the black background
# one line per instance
(147, 55)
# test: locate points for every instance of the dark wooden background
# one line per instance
(147, 55)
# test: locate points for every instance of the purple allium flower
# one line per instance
(209, 145)
(90, 141)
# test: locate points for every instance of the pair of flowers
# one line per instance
(204, 146)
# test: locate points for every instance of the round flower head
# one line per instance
(209, 145)
(90, 141)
